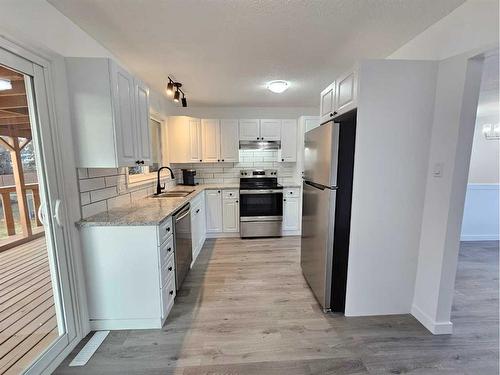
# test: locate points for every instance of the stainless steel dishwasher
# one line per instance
(183, 246)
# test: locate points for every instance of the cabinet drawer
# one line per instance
(291, 192)
(167, 297)
(166, 250)
(230, 194)
(167, 270)
(165, 230)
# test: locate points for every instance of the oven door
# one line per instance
(259, 205)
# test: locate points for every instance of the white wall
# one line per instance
(485, 157)
(246, 112)
(473, 25)
(395, 108)
(452, 130)
(481, 220)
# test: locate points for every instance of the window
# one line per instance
(147, 172)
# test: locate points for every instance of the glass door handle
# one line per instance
(40, 214)
(57, 212)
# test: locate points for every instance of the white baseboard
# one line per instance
(223, 235)
(122, 324)
(479, 237)
(436, 328)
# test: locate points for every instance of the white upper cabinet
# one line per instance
(184, 139)
(194, 152)
(288, 151)
(270, 130)
(346, 92)
(142, 120)
(109, 113)
(210, 140)
(327, 103)
(229, 141)
(249, 130)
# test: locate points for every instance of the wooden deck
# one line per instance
(28, 322)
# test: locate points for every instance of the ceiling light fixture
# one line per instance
(278, 86)
(5, 84)
(174, 91)
(170, 87)
(491, 131)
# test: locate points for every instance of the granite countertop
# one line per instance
(149, 210)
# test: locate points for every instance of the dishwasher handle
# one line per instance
(183, 213)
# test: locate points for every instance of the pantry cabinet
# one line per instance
(288, 152)
(109, 113)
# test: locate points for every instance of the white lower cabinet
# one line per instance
(231, 211)
(291, 210)
(213, 201)
(198, 224)
(222, 212)
(129, 275)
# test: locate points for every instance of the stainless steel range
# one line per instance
(261, 204)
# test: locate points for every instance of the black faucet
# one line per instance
(160, 188)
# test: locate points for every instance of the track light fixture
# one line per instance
(174, 90)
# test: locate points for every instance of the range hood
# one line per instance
(260, 145)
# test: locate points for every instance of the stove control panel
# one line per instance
(259, 173)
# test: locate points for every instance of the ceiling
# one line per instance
(14, 116)
(224, 51)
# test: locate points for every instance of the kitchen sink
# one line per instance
(174, 194)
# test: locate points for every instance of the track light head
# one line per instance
(170, 88)
(177, 96)
(184, 101)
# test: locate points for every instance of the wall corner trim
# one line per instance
(436, 328)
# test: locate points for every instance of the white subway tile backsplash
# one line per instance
(92, 184)
(101, 172)
(82, 173)
(93, 208)
(118, 201)
(101, 194)
(85, 198)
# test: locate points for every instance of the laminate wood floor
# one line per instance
(246, 309)
(28, 323)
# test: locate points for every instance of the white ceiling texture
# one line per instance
(224, 51)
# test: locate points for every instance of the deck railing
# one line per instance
(8, 214)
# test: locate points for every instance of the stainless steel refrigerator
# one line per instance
(327, 191)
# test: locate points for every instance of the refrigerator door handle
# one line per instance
(319, 186)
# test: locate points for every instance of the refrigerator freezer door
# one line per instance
(321, 153)
(317, 241)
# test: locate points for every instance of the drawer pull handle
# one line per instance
(171, 293)
(198, 210)
(170, 268)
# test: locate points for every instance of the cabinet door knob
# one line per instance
(137, 162)
(201, 160)
(331, 114)
(198, 210)
(334, 112)
(222, 159)
(284, 200)
(282, 159)
(169, 249)
(262, 138)
(142, 161)
(170, 268)
(236, 201)
(258, 138)
(218, 191)
(218, 160)
(171, 292)
(168, 229)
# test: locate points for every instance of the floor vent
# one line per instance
(89, 349)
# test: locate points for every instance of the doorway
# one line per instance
(36, 314)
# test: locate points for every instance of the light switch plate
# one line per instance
(437, 170)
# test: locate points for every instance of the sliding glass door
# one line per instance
(36, 314)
